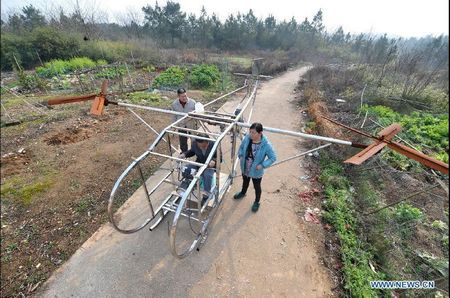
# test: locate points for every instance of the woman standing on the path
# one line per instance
(255, 154)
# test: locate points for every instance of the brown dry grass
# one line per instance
(316, 109)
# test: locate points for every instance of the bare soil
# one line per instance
(79, 158)
(275, 252)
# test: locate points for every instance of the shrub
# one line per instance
(171, 77)
(204, 76)
(51, 43)
(14, 47)
(30, 81)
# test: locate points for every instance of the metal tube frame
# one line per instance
(189, 135)
(230, 124)
(173, 227)
(177, 159)
(223, 96)
(197, 131)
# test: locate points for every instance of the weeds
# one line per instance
(83, 205)
(339, 212)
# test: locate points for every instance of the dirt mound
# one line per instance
(12, 163)
(71, 135)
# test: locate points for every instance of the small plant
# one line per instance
(149, 68)
(83, 205)
(102, 62)
(11, 247)
(310, 126)
(406, 216)
(60, 83)
(407, 213)
(440, 225)
(444, 242)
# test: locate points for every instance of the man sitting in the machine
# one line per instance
(201, 149)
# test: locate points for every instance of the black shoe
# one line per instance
(239, 195)
(184, 184)
(204, 199)
(255, 206)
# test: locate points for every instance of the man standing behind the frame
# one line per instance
(185, 105)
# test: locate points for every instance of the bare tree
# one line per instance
(421, 66)
(132, 21)
(87, 15)
(389, 57)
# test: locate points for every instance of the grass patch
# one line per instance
(148, 99)
(241, 62)
(339, 212)
(19, 190)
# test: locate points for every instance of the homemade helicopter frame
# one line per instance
(182, 195)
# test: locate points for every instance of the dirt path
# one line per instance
(267, 254)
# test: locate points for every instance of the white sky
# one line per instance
(406, 18)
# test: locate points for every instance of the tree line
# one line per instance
(30, 38)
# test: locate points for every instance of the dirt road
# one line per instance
(267, 254)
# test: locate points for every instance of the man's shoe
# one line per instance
(204, 199)
(255, 206)
(184, 184)
(239, 195)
